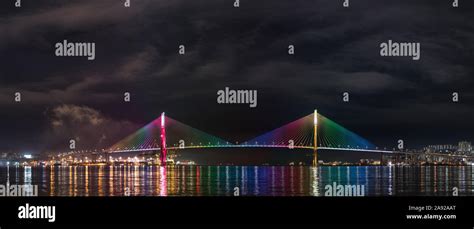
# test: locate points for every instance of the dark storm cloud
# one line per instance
(36, 24)
(337, 50)
(88, 127)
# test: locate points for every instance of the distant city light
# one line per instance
(27, 156)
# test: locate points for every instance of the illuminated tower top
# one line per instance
(163, 119)
(315, 117)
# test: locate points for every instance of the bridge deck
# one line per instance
(254, 146)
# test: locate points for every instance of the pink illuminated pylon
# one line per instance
(163, 140)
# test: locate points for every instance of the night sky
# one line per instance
(336, 50)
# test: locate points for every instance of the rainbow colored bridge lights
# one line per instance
(313, 131)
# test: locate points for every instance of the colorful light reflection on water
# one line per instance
(250, 180)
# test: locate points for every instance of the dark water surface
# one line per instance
(250, 180)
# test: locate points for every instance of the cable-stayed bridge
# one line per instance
(313, 132)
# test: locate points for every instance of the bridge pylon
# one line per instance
(315, 140)
(163, 140)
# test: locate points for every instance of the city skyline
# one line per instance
(166, 134)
